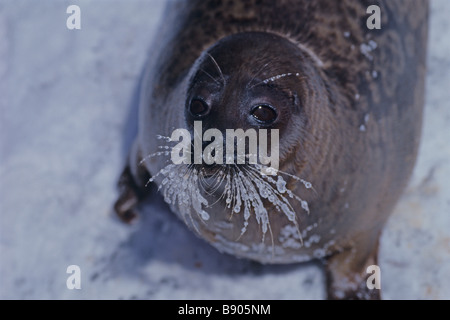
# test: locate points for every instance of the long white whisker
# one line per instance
(218, 68)
(214, 79)
(277, 77)
(257, 73)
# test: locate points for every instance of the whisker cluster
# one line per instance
(244, 190)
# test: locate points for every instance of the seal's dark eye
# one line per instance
(264, 114)
(198, 107)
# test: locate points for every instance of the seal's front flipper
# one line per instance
(132, 189)
(347, 276)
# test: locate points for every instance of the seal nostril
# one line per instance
(198, 107)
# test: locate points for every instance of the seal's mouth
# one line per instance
(209, 170)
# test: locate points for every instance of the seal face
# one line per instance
(340, 104)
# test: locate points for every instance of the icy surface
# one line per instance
(65, 101)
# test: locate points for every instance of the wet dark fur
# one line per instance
(358, 175)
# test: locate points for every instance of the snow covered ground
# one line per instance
(66, 102)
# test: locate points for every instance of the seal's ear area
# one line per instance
(132, 189)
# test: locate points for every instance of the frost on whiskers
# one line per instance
(244, 189)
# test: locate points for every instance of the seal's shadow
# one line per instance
(160, 235)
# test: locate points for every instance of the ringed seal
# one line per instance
(347, 103)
